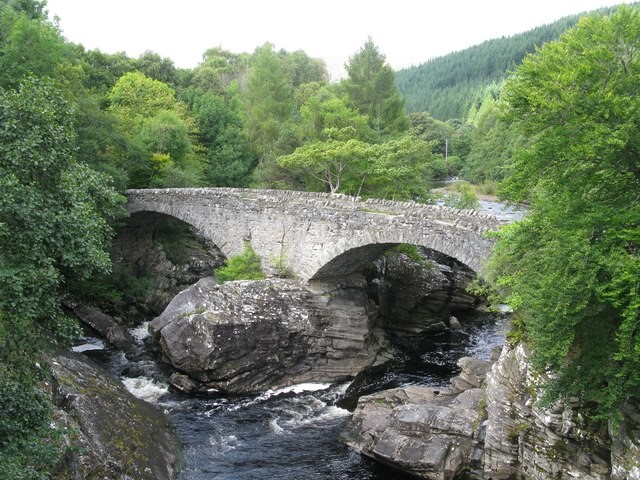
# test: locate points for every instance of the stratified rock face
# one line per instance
(169, 254)
(625, 445)
(495, 431)
(112, 433)
(422, 296)
(248, 336)
(428, 433)
(537, 443)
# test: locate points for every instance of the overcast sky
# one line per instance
(408, 32)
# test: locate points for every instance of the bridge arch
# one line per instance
(319, 235)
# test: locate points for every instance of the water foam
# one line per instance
(146, 388)
(90, 343)
(140, 332)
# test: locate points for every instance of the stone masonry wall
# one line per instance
(310, 232)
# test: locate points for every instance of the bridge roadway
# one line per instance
(318, 235)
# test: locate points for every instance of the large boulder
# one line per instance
(421, 294)
(426, 432)
(111, 434)
(248, 336)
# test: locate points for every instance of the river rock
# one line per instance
(106, 325)
(497, 431)
(111, 434)
(420, 296)
(472, 375)
(429, 433)
(248, 336)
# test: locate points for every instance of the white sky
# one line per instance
(408, 32)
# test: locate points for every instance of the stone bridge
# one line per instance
(318, 235)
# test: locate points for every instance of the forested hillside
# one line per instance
(447, 86)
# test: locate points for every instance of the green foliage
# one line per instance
(466, 197)
(119, 286)
(52, 210)
(158, 68)
(218, 71)
(166, 133)
(228, 161)
(412, 252)
(102, 70)
(29, 44)
(371, 90)
(302, 69)
(325, 111)
(436, 131)
(29, 446)
(400, 168)
(571, 267)
(34, 9)
(246, 266)
(329, 164)
(136, 97)
(53, 228)
(493, 142)
(267, 101)
(160, 129)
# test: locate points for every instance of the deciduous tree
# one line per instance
(54, 215)
(572, 266)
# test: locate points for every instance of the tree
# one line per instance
(102, 70)
(29, 45)
(433, 130)
(492, 144)
(156, 67)
(218, 70)
(54, 227)
(228, 161)
(400, 169)
(325, 110)
(371, 90)
(136, 97)
(301, 69)
(166, 133)
(160, 128)
(572, 266)
(267, 101)
(333, 164)
(34, 9)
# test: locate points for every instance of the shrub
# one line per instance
(245, 266)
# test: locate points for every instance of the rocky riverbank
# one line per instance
(488, 426)
(111, 434)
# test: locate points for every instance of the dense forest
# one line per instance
(78, 127)
(448, 86)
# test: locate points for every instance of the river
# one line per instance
(292, 433)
